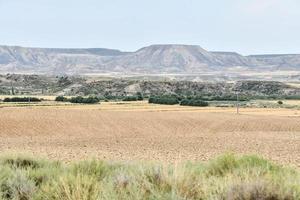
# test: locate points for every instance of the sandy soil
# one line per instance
(147, 132)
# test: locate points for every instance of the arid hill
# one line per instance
(154, 59)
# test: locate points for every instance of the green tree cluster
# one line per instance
(22, 99)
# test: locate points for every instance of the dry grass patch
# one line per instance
(227, 177)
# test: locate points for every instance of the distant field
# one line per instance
(142, 131)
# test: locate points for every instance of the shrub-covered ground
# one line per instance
(79, 99)
(227, 177)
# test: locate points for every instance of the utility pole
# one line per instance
(12, 88)
(237, 103)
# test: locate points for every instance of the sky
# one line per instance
(244, 26)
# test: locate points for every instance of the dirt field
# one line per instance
(139, 131)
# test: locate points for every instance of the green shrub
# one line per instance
(70, 187)
(97, 169)
(193, 102)
(130, 98)
(87, 100)
(167, 100)
(79, 99)
(140, 96)
(222, 165)
(61, 98)
(111, 97)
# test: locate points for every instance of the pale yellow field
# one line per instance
(141, 131)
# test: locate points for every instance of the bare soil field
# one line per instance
(141, 131)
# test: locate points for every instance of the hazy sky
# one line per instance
(244, 26)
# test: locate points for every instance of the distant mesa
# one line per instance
(154, 59)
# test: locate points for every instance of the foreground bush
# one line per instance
(22, 99)
(226, 178)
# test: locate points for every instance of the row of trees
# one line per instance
(91, 99)
(22, 99)
(193, 102)
(173, 100)
(167, 100)
(79, 99)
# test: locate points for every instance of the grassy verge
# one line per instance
(226, 177)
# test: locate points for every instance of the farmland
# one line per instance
(142, 131)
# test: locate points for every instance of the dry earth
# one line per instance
(139, 131)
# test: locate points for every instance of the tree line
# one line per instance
(173, 100)
(79, 99)
(22, 99)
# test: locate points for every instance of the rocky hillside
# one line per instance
(156, 59)
(71, 85)
(41, 60)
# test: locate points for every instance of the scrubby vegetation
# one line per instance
(173, 100)
(22, 99)
(112, 88)
(138, 97)
(87, 100)
(228, 177)
(79, 99)
(130, 98)
(61, 98)
(193, 102)
(167, 100)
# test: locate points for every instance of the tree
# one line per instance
(87, 100)
(193, 102)
(140, 96)
(61, 98)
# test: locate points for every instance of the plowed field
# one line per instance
(149, 132)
